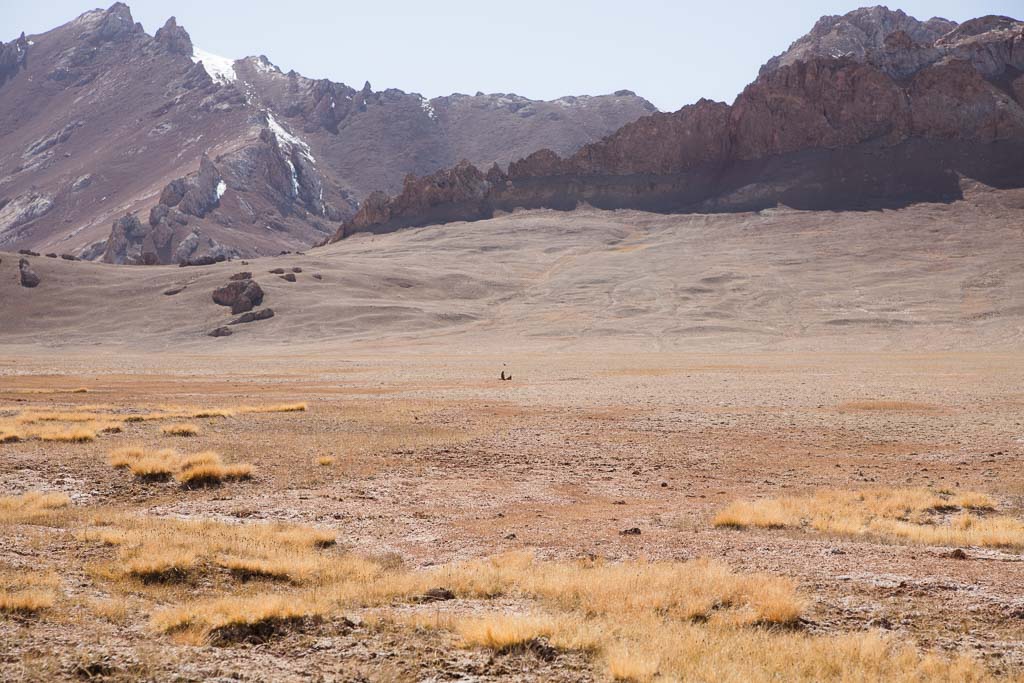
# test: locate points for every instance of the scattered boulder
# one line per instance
(318, 276)
(296, 269)
(28, 276)
(240, 295)
(51, 255)
(221, 332)
(277, 271)
(245, 275)
(289, 277)
(958, 554)
(206, 260)
(29, 252)
(69, 257)
(635, 531)
(174, 290)
(253, 316)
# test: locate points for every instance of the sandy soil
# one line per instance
(663, 367)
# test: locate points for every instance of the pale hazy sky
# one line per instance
(671, 52)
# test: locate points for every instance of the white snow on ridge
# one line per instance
(286, 138)
(264, 65)
(427, 107)
(221, 69)
(222, 187)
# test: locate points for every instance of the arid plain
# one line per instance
(784, 445)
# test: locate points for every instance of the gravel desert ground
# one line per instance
(407, 515)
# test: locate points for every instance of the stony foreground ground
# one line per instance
(431, 459)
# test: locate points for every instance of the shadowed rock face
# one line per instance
(222, 157)
(893, 121)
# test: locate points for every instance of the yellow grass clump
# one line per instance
(34, 507)
(71, 431)
(10, 434)
(191, 470)
(162, 551)
(30, 417)
(213, 473)
(26, 593)
(253, 619)
(180, 429)
(910, 515)
(325, 460)
(211, 412)
(887, 406)
(275, 408)
(67, 435)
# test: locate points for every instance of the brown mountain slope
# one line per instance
(881, 127)
(99, 120)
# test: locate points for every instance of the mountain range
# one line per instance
(131, 148)
(870, 110)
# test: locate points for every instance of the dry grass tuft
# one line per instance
(123, 457)
(10, 435)
(34, 507)
(276, 408)
(58, 427)
(157, 466)
(72, 435)
(26, 593)
(180, 429)
(505, 633)
(226, 620)
(325, 460)
(887, 406)
(192, 470)
(30, 417)
(170, 565)
(213, 474)
(910, 515)
(211, 412)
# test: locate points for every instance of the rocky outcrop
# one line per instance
(253, 316)
(889, 122)
(20, 212)
(13, 58)
(240, 295)
(126, 241)
(858, 33)
(174, 38)
(27, 276)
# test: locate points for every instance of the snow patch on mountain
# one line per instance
(221, 69)
(428, 108)
(285, 138)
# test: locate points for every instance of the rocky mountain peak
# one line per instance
(113, 25)
(174, 38)
(858, 33)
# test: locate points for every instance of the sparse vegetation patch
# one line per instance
(908, 515)
(180, 429)
(191, 470)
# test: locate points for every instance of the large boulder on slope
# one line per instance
(240, 295)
